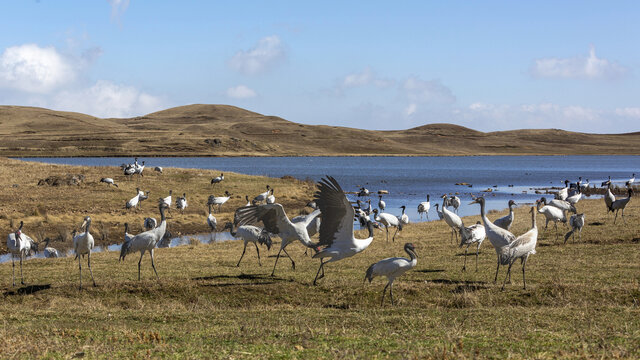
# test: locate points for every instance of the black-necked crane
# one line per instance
(219, 200)
(574, 198)
(423, 208)
(560, 204)
(133, 202)
(276, 222)
(129, 170)
(606, 182)
(392, 268)
(337, 240)
(246, 197)
(523, 246)
(249, 234)
(181, 202)
(150, 223)
(262, 197)
(404, 218)
(271, 199)
(454, 202)
(168, 200)
(620, 204)
(551, 213)
(499, 237)
(450, 218)
(363, 192)
(381, 204)
(50, 252)
(630, 182)
(212, 222)
(139, 169)
(142, 197)
(609, 198)
(577, 223)
(108, 181)
(506, 221)
(158, 169)
(563, 193)
(82, 245)
(217, 179)
(440, 215)
(388, 221)
(585, 185)
(474, 234)
(19, 244)
(147, 241)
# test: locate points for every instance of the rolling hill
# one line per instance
(223, 130)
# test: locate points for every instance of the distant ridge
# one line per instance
(224, 130)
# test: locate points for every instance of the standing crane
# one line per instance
(249, 234)
(423, 208)
(523, 246)
(392, 268)
(82, 245)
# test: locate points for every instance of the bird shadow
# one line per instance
(239, 277)
(596, 223)
(29, 289)
(239, 284)
(427, 271)
(456, 282)
(469, 287)
(469, 254)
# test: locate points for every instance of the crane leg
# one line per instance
(318, 273)
(391, 292)
(477, 251)
(383, 293)
(276, 263)
(90, 271)
(241, 256)
(80, 269)
(13, 268)
(495, 279)
(464, 266)
(394, 235)
(139, 263)
(258, 251)
(507, 275)
(21, 277)
(524, 280)
(293, 264)
(153, 265)
(387, 229)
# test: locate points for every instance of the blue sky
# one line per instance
(490, 65)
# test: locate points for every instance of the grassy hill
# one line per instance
(223, 130)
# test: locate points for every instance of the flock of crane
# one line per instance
(333, 219)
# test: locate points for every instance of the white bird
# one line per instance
(381, 203)
(246, 197)
(404, 218)
(630, 182)
(82, 245)
(129, 170)
(133, 202)
(585, 185)
(50, 252)
(139, 169)
(217, 179)
(336, 229)
(181, 202)
(219, 200)
(392, 268)
(474, 234)
(577, 223)
(552, 213)
(573, 199)
(262, 197)
(150, 223)
(108, 181)
(506, 221)
(271, 199)
(560, 204)
(609, 198)
(523, 246)
(454, 202)
(249, 234)
(18, 244)
(450, 218)
(363, 192)
(276, 222)
(147, 241)
(158, 169)
(620, 204)
(499, 237)
(211, 220)
(423, 208)
(167, 200)
(440, 215)
(563, 193)
(388, 221)
(606, 182)
(127, 236)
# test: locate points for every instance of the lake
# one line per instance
(410, 179)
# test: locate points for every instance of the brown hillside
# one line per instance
(223, 130)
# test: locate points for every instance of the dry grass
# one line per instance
(222, 130)
(581, 302)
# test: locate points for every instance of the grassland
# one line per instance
(581, 301)
(222, 130)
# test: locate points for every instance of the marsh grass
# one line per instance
(581, 300)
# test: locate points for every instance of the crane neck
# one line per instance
(86, 229)
(533, 217)
(412, 255)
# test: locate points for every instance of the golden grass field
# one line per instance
(223, 130)
(582, 298)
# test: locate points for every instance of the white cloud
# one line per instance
(118, 7)
(429, 91)
(268, 52)
(106, 99)
(632, 112)
(241, 92)
(580, 67)
(411, 109)
(34, 69)
(365, 78)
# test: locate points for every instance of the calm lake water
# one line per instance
(410, 179)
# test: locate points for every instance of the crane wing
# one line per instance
(272, 216)
(337, 212)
